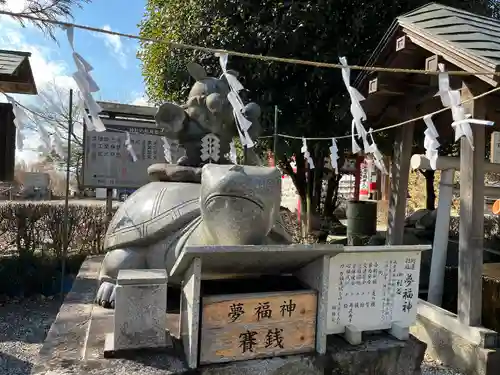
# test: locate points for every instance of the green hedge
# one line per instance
(32, 243)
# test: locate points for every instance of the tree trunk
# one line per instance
(318, 174)
(430, 203)
(318, 188)
(299, 181)
(330, 190)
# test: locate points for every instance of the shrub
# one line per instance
(32, 243)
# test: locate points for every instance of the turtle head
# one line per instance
(239, 204)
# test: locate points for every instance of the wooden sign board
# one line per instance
(495, 147)
(248, 326)
(371, 291)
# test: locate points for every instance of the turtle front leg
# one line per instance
(114, 261)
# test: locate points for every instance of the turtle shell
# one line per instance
(152, 212)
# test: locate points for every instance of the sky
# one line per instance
(116, 69)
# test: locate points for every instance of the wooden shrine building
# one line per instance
(16, 77)
(462, 41)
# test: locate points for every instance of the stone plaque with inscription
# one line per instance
(371, 291)
(247, 326)
(108, 164)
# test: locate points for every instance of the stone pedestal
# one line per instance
(140, 311)
(75, 341)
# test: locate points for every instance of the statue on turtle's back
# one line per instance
(207, 111)
(195, 202)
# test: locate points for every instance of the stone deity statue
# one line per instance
(207, 111)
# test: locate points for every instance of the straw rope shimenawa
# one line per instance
(281, 60)
(390, 126)
(316, 64)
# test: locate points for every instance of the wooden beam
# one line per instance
(375, 87)
(471, 229)
(400, 172)
(448, 162)
(405, 45)
(127, 110)
(400, 43)
(432, 64)
(17, 88)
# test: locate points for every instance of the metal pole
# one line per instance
(66, 195)
(275, 145)
(109, 205)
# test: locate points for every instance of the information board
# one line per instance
(108, 164)
(370, 291)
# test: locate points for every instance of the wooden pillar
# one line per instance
(400, 173)
(471, 228)
(441, 234)
(386, 181)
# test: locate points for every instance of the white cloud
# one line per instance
(114, 43)
(47, 70)
(141, 99)
(15, 5)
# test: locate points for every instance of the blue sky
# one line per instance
(116, 69)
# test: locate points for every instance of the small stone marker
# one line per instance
(140, 311)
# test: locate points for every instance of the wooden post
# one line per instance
(470, 265)
(109, 205)
(400, 173)
(441, 233)
(385, 184)
(66, 194)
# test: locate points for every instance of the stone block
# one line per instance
(455, 351)
(140, 309)
(295, 365)
(376, 355)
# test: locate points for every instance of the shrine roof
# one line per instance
(467, 40)
(477, 34)
(16, 75)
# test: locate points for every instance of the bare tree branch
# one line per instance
(47, 10)
(51, 111)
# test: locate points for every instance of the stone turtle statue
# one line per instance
(233, 205)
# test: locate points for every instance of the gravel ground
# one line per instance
(432, 367)
(23, 327)
(24, 324)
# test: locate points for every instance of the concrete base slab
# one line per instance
(456, 346)
(76, 341)
(110, 350)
